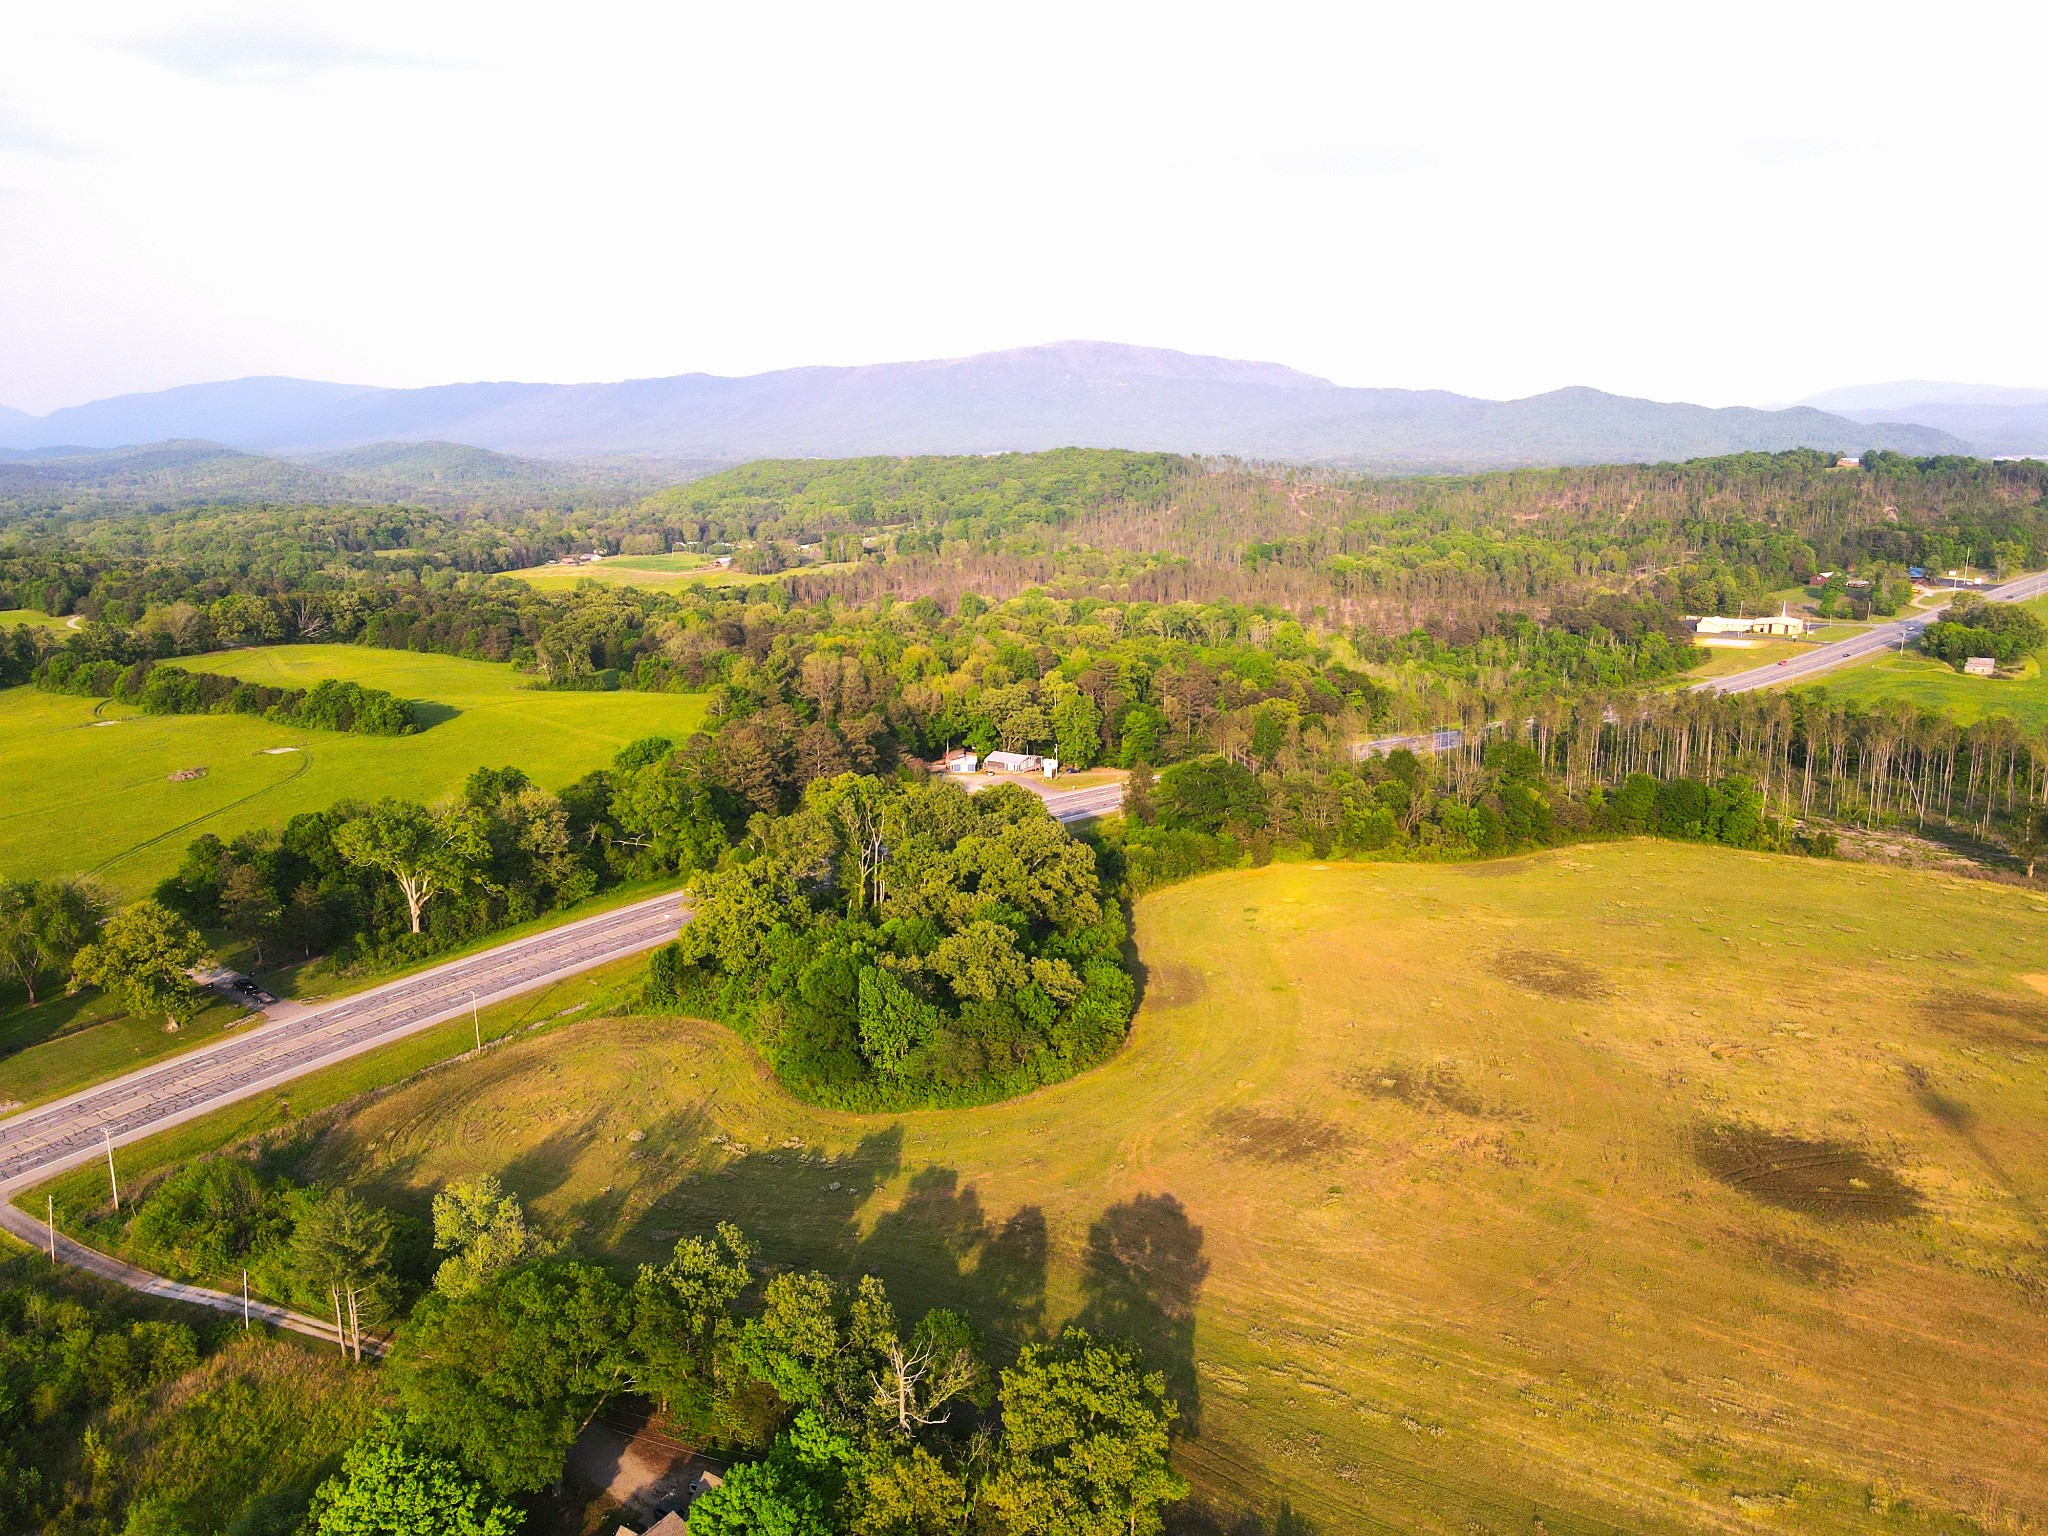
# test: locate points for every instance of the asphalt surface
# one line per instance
(52, 1137)
(1879, 637)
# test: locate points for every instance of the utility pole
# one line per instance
(245, 1301)
(475, 1020)
(53, 1228)
(340, 1333)
(108, 1137)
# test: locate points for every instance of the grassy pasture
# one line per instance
(1725, 660)
(655, 573)
(81, 796)
(14, 618)
(1631, 1187)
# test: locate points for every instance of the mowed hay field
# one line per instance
(655, 573)
(82, 797)
(1635, 1187)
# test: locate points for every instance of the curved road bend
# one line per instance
(1880, 637)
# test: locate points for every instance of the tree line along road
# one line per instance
(37, 1143)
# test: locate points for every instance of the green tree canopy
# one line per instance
(43, 925)
(483, 1230)
(427, 851)
(386, 1489)
(141, 958)
(1085, 1442)
(503, 1379)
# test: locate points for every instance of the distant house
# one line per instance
(959, 760)
(1012, 762)
(1981, 666)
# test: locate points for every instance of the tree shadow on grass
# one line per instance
(1142, 1276)
(938, 1247)
(1194, 1519)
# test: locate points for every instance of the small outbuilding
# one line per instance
(1981, 666)
(1013, 762)
(959, 760)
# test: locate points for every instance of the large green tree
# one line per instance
(386, 1489)
(426, 850)
(43, 925)
(503, 1379)
(1085, 1442)
(142, 958)
(483, 1230)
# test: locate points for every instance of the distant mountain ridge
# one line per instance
(183, 472)
(1080, 394)
(1995, 419)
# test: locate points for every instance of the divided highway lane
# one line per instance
(1881, 637)
(52, 1137)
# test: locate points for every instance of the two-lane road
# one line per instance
(1879, 637)
(52, 1137)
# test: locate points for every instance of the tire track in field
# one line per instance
(305, 762)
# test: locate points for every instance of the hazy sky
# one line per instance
(1702, 201)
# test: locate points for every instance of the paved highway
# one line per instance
(52, 1137)
(1879, 637)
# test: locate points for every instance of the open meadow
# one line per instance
(1631, 1187)
(86, 787)
(654, 573)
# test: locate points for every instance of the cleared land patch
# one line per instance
(656, 573)
(1557, 976)
(76, 800)
(1552, 1317)
(1821, 1178)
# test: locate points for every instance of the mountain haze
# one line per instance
(1992, 418)
(1081, 394)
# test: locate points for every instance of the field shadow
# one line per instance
(55, 1016)
(939, 1246)
(1141, 1277)
(428, 713)
(1985, 1018)
(1958, 1118)
(1829, 1179)
(1197, 1519)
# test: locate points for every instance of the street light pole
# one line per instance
(108, 1137)
(475, 1021)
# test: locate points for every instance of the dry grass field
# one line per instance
(1637, 1187)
